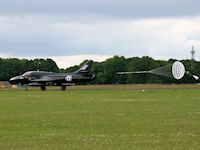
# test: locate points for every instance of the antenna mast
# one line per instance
(192, 57)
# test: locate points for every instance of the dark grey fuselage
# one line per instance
(43, 78)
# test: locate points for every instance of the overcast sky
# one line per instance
(71, 31)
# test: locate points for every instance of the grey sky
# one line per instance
(99, 28)
(116, 8)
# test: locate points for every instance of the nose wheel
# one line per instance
(63, 88)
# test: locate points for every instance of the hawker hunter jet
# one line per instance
(43, 78)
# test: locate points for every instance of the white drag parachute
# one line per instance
(176, 71)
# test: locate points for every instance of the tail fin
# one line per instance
(85, 69)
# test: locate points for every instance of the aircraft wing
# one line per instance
(43, 79)
(49, 79)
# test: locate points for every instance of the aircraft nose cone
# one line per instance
(16, 80)
(12, 80)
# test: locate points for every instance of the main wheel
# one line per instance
(43, 88)
(63, 88)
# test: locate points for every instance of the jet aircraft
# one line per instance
(42, 78)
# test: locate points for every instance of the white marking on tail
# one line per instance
(84, 67)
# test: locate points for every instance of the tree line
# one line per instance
(105, 71)
(13, 67)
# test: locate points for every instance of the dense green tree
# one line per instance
(106, 72)
(12, 66)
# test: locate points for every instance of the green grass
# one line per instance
(100, 119)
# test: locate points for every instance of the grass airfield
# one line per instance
(160, 117)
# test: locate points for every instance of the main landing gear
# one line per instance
(43, 88)
(63, 88)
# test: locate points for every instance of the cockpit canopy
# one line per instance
(35, 73)
(26, 74)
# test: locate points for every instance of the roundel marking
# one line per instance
(68, 78)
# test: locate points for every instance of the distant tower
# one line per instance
(192, 57)
(192, 52)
